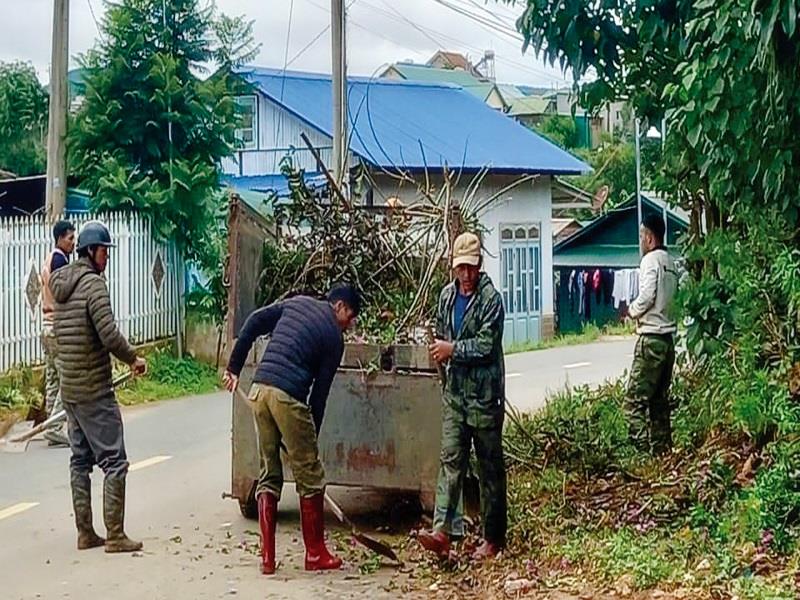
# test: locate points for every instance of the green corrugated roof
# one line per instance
(602, 256)
(472, 84)
(510, 92)
(529, 105)
(598, 255)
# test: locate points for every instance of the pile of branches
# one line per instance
(396, 254)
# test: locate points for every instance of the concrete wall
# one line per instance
(201, 342)
(529, 204)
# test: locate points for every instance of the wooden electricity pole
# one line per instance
(56, 192)
(339, 81)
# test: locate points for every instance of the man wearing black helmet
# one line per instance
(87, 336)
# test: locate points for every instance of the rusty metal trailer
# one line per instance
(382, 423)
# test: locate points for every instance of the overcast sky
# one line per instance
(379, 32)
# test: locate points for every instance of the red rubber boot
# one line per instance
(267, 516)
(317, 556)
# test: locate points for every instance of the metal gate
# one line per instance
(521, 274)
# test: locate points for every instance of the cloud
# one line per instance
(380, 32)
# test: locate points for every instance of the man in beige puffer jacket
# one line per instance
(87, 336)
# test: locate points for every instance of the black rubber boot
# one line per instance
(82, 506)
(114, 516)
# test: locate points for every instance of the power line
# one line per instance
(490, 13)
(461, 44)
(407, 20)
(305, 48)
(94, 18)
(316, 38)
(285, 65)
(521, 66)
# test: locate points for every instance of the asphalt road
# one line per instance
(197, 545)
(531, 377)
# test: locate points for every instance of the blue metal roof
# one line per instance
(415, 125)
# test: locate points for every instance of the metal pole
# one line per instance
(638, 181)
(56, 190)
(339, 81)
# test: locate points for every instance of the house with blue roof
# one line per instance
(420, 129)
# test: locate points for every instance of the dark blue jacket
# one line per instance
(305, 348)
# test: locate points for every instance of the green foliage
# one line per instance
(169, 377)
(590, 333)
(151, 133)
(713, 68)
(23, 120)
(647, 559)
(579, 429)
(560, 130)
(19, 390)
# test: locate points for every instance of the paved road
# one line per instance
(196, 544)
(533, 376)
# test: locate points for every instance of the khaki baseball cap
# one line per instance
(467, 250)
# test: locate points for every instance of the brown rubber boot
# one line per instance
(114, 516)
(82, 507)
(313, 521)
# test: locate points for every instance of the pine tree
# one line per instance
(151, 132)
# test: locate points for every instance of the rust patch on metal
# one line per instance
(366, 458)
(241, 487)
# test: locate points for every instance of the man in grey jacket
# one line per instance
(87, 336)
(647, 397)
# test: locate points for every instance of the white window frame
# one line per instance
(532, 262)
(253, 145)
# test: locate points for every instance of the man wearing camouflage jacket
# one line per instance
(470, 343)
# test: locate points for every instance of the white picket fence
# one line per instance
(146, 307)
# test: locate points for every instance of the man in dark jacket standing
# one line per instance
(303, 354)
(87, 336)
(64, 237)
(469, 342)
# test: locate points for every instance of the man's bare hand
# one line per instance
(139, 366)
(230, 381)
(441, 351)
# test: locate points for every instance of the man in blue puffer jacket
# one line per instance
(288, 397)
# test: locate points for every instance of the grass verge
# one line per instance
(591, 333)
(169, 377)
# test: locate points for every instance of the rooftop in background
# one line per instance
(612, 239)
(415, 125)
(528, 105)
(414, 72)
(22, 196)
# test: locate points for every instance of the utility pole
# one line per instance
(56, 191)
(339, 85)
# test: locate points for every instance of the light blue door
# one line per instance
(521, 283)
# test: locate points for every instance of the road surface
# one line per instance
(532, 376)
(197, 546)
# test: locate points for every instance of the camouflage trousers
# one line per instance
(647, 398)
(283, 421)
(52, 386)
(458, 438)
(52, 380)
